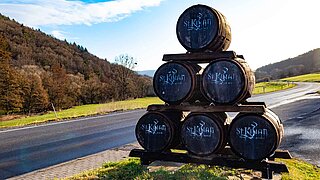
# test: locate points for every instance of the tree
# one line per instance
(55, 83)
(90, 91)
(144, 86)
(35, 97)
(127, 61)
(10, 91)
(122, 72)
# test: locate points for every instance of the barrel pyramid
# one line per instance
(219, 81)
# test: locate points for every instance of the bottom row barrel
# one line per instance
(203, 134)
(251, 136)
(158, 132)
(255, 136)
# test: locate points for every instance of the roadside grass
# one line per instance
(299, 169)
(304, 78)
(266, 87)
(94, 109)
(84, 110)
(131, 169)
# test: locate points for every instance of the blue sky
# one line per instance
(264, 31)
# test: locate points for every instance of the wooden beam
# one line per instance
(208, 108)
(199, 57)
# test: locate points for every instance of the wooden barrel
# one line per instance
(255, 136)
(201, 28)
(159, 131)
(175, 82)
(204, 133)
(227, 81)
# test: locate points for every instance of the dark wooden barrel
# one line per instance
(175, 82)
(227, 81)
(201, 28)
(255, 136)
(204, 133)
(159, 131)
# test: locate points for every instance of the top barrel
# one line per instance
(202, 28)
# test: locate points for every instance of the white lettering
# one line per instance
(172, 78)
(154, 128)
(198, 23)
(251, 132)
(221, 78)
(200, 130)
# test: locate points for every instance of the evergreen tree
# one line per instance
(56, 86)
(34, 95)
(10, 91)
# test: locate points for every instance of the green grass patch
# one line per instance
(131, 169)
(265, 87)
(85, 110)
(304, 78)
(299, 169)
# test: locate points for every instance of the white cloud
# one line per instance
(58, 34)
(62, 12)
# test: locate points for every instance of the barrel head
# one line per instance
(154, 132)
(201, 134)
(173, 82)
(197, 27)
(252, 137)
(223, 82)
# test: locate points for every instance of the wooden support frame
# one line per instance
(248, 107)
(267, 167)
(200, 57)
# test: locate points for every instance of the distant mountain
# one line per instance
(303, 64)
(149, 73)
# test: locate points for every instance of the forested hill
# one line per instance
(303, 64)
(33, 47)
(38, 70)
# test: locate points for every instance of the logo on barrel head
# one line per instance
(252, 132)
(200, 130)
(198, 23)
(222, 78)
(172, 77)
(154, 128)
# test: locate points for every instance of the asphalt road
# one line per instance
(27, 149)
(301, 120)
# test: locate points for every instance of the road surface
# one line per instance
(301, 121)
(30, 148)
(27, 149)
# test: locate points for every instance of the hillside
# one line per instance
(33, 47)
(38, 71)
(303, 64)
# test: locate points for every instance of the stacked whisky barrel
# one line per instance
(225, 81)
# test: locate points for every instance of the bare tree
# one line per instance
(122, 72)
(126, 61)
